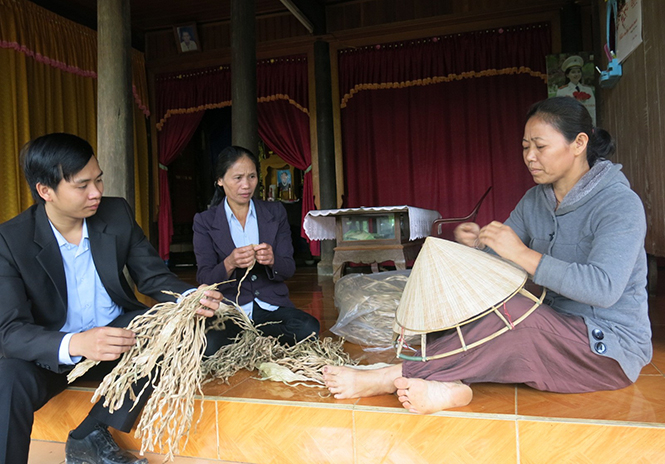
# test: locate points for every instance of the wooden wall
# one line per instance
(352, 22)
(634, 113)
(349, 23)
(277, 34)
(362, 14)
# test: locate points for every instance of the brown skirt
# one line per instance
(547, 351)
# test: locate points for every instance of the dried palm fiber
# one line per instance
(169, 349)
(170, 341)
(452, 285)
(307, 358)
(251, 349)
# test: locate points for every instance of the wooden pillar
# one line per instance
(571, 28)
(325, 143)
(115, 134)
(244, 123)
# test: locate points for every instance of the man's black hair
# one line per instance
(51, 158)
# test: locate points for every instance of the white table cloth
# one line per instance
(320, 224)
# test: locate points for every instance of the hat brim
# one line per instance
(464, 346)
(450, 283)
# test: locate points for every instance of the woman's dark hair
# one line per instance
(51, 158)
(226, 159)
(570, 117)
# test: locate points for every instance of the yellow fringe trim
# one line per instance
(212, 106)
(195, 109)
(281, 96)
(440, 79)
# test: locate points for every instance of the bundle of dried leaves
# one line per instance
(251, 350)
(170, 342)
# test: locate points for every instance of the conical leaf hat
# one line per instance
(450, 283)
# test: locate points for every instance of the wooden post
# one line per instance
(244, 122)
(115, 134)
(325, 144)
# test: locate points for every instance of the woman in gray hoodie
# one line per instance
(580, 233)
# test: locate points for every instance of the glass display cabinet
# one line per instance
(373, 238)
(357, 229)
(371, 235)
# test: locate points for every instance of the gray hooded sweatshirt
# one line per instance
(594, 262)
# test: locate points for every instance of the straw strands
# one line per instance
(170, 341)
(305, 360)
(168, 357)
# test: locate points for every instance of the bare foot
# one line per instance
(347, 382)
(427, 396)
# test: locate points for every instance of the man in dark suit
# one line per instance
(65, 297)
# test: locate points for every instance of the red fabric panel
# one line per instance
(285, 130)
(283, 126)
(440, 146)
(181, 128)
(182, 99)
(284, 76)
(449, 56)
(191, 91)
(180, 102)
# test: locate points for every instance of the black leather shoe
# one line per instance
(98, 448)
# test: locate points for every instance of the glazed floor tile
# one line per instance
(503, 423)
(643, 402)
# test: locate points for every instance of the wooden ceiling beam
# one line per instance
(310, 13)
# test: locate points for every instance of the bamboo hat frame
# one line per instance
(452, 285)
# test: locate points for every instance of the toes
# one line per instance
(330, 372)
(410, 407)
(401, 383)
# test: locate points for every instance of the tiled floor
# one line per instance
(272, 422)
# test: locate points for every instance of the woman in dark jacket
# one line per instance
(238, 232)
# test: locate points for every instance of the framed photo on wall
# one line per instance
(186, 37)
(573, 75)
(284, 179)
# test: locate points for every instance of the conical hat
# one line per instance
(450, 283)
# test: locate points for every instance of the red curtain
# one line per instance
(171, 143)
(284, 121)
(181, 102)
(191, 92)
(433, 123)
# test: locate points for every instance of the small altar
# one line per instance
(371, 235)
